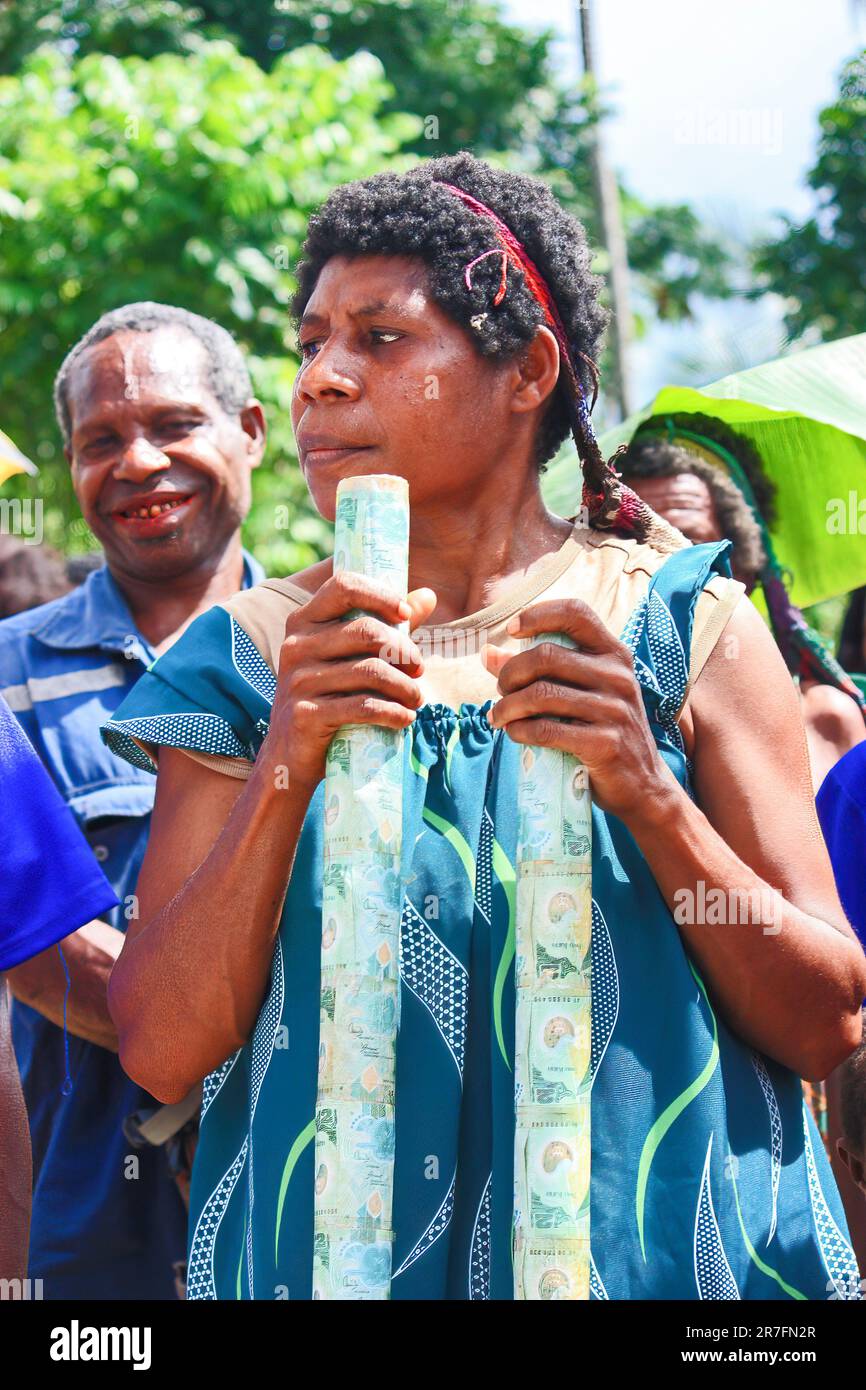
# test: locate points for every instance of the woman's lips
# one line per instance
(333, 454)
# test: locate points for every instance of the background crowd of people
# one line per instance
(159, 431)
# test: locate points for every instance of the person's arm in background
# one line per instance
(833, 723)
(50, 884)
(89, 954)
(15, 1158)
(46, 854)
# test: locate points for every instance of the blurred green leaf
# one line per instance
(819, 266)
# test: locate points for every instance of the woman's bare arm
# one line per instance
(189, 983)
(791, 985)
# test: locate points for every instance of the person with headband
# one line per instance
(709, 481)
(448, 321)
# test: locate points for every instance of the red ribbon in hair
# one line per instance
(514, 251)
(609, 502)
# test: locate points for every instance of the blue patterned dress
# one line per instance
(709, 1180)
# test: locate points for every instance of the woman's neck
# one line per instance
(470, 554)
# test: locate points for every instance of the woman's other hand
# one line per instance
(585, 702)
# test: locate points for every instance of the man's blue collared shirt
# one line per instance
(97, 1230)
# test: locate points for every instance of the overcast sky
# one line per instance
(716, 105)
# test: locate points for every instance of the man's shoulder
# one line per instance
(19, 633)
(20, 625)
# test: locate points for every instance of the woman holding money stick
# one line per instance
(447, 325)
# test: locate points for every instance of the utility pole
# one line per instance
(611, 230)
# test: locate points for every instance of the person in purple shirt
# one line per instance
(51, 884)
(841, 804)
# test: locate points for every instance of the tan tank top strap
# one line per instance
(262, 613)
(231, 767)
(713, 609)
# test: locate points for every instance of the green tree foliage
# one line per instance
(140, 157)
(475, 79)
(459, 63)
(183, 179)
(820, 265)
(123, 28)
(456, 61)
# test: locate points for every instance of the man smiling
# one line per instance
(161, 431)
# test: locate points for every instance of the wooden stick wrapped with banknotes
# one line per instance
(553, 1024)
(361, 905)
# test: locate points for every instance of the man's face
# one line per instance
(160, 470)
(685, 501)
(390, 384)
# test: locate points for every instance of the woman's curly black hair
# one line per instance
(409, 214)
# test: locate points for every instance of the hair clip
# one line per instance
(494, 251)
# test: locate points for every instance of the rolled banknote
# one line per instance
(553, 1024)
(559, 1271)
(361, 907)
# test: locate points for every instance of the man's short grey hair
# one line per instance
(228, 376)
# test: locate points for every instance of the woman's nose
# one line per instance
(328, 374)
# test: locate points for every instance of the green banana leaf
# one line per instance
(806, 416)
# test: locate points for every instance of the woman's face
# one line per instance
(685, 501)
(390, 384)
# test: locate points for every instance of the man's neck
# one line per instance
(162, 608)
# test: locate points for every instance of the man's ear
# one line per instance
(856, 1167)
(539, 372)
(254, 426)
